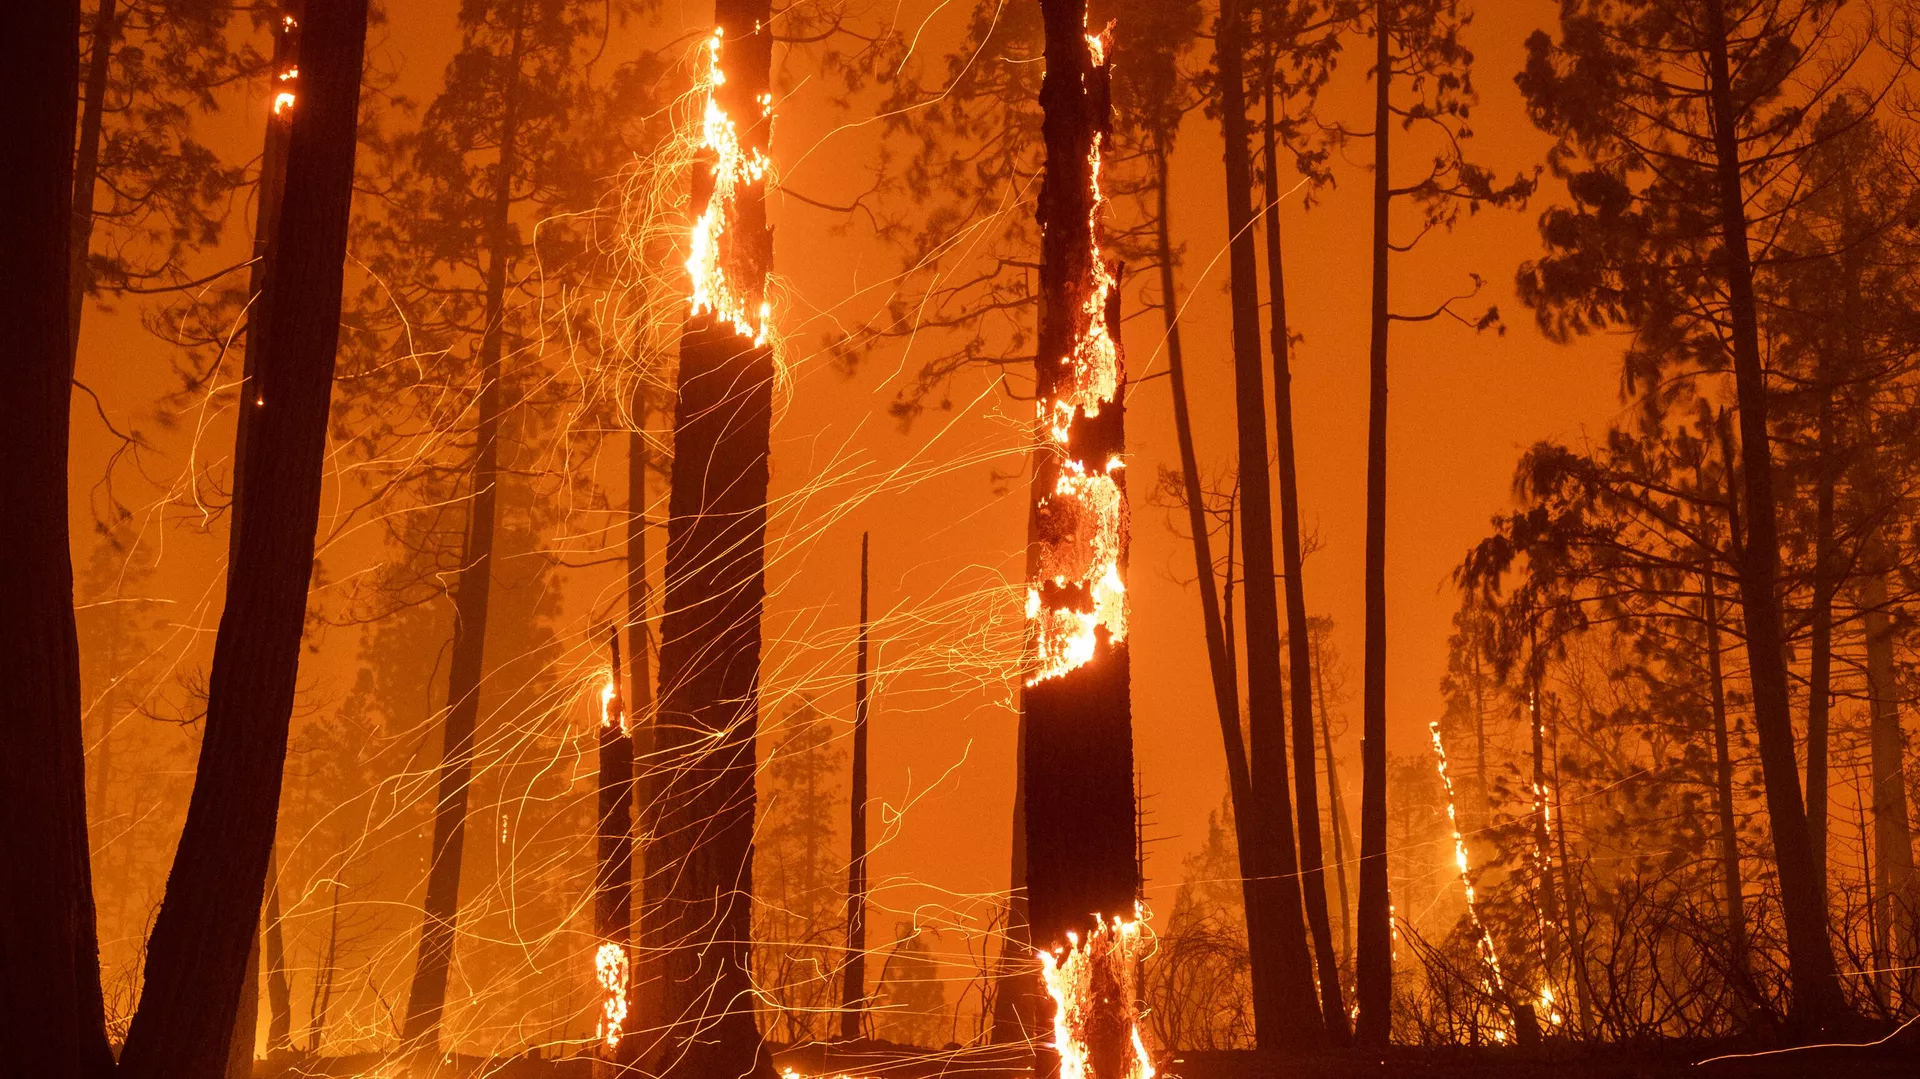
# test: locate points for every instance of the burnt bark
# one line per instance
(1816, 999)
(1286, 1007)
(1078, 767)
(51, 1015)
(708, 717)
(613, 886)
(197, 953)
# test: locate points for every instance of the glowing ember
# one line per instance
(1091, 983)
(612, 708)
(611, 968)
(1079, 589)
(289, 78)
(736, 169)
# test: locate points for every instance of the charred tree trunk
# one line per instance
(853, 993)
(1286, 1006)
(1078, 767)
(640, 715)
(1374, 964)
(613, 888)
(1896, 909)
(1313, 877)
(197, 953)
(427, 999)
(1217, 624)
(715, 590)
(51, 1016)
(1820, 666)
(105, 34)
(1817, 1002)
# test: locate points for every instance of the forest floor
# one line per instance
(1896, 1056)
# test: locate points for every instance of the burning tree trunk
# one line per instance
(853, 995)
(1286, 1010)
(613, 887)
(716, 558)
(1313, 877)
(426, 1001)
(197, 953)
(51, 1017)
(1082, 871)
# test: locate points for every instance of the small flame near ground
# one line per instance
(611, 967)
(1090, 981)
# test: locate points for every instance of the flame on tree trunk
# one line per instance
(1082, 868)
(701, 855)
(613, 888)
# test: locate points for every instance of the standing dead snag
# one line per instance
(853, 997)
(700, 869)
(613, 887)
(1082, 871)
(197, 954)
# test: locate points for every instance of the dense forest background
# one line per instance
(1570, 722)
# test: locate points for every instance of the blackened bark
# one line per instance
(853, 992)
(1218, 626)
(1733, 897)
(645, 1006)
(1896, 908)
(197, 953)
(706, 728)
(1285, 1002)
(1816, 1000)
(1078, 767)
(1820, 664)
(86, 166)
(426, 1000)
(613, 890)
(1313, 877)
(51, 1017)
(1374, 964)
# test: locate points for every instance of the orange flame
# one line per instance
(735, 169)
(1091, 504)
(1085, 979)
(611, 969)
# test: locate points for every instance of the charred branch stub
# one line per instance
(1082, 877)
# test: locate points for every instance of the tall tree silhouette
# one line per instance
(1287, 1014)
(197, 954)
(51, 1014)
(1417, 50)
(1670, 125)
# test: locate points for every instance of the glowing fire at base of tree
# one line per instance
(1096, 1017)
(613, 971)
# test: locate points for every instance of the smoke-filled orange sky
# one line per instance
(945, 531)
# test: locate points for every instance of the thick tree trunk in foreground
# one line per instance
(197, 953)
(1226, 690)
(1817, 1002)
(853, 991)
(715, 590)
(1313, 877)
(1373, 987)
(1082, 872)
(1285, 1004)
(426, 1001)
(51, 1017)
